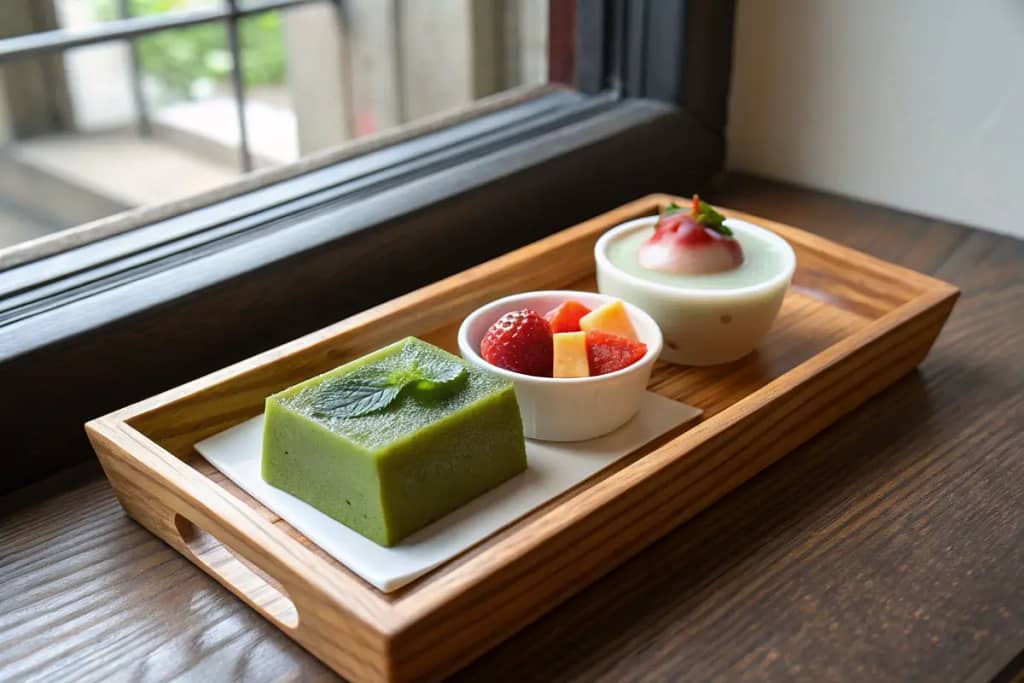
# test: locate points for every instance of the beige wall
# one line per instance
(917, 104)
(97, 103)
(413, 58)
(442, 62)
(318, 73)
(526, 41)
(5, 123)
(374, 45)
(457, 51)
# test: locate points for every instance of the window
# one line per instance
(106, 314)
(115, 104)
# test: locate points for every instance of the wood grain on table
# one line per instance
(890, 547)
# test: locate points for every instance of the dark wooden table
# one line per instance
(890, 547)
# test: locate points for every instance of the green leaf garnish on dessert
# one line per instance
(372, 388)
(671, 209)
(352, 396)
(703, 213)
(708, 217)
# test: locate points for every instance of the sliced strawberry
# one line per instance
(520, 341)
(610, 352)
(566, 317)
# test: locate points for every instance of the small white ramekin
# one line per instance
(567, 409)
(701, 327)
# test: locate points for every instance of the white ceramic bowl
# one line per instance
(567, 409)
(701, 327)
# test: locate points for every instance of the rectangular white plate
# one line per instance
(553, 469)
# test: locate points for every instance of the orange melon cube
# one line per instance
(571, 355)
(611, 318)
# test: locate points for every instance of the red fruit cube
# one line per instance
(566, 317)
(610, 352)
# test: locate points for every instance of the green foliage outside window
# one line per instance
(178, 58)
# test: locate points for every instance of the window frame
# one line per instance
(86, 330)
(51, 44)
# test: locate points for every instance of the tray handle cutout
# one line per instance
(251, 583)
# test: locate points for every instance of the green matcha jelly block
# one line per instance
(392, 441)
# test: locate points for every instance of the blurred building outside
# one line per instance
(102, 128)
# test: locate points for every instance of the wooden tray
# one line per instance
(850, 326)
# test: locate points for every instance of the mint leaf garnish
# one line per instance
(672, 208)
(372, 388)
(442, 380)
(404, 376)
(705, 215)
(709, 218)
(439, 372)
(352, 396)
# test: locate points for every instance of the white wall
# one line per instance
(916, 104)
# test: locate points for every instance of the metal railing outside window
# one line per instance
(130, 28)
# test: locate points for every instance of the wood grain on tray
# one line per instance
(851, 326)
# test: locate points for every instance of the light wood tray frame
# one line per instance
(850, 326)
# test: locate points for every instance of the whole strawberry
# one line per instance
(520, 341)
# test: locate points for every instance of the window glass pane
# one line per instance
(81, 148)
(269, 110)
(79, 13)
(123, 123)
(83, 13)
(186, 74)
(64, 133)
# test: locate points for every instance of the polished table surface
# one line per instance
(889, 547)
